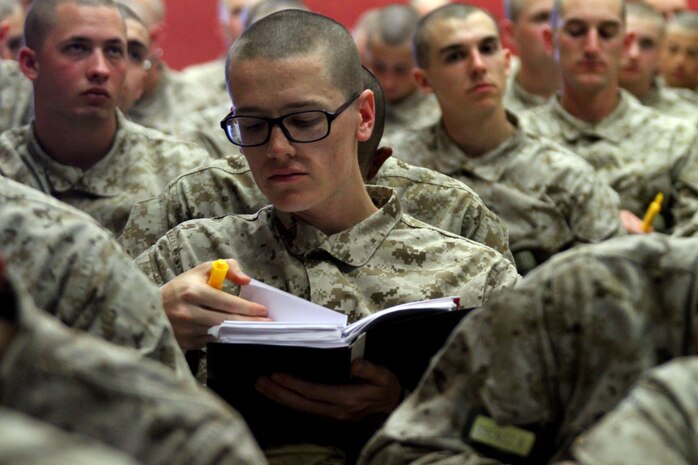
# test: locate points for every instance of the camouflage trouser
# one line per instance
(305, 454)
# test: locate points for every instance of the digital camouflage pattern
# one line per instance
(638, 152)
(414, 112)
(516, 98)
(108, 393)
(212, 75)
(672, 101)
(168, 106)
(138, 166)
(16, 96)
(548, 197)
(26, 441)
(78, 273)
(552, 355)
(204, 129)
(226, 186)
(656, 424)
(385, 260)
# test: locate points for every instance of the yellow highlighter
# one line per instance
(652, 211)
(219, 270)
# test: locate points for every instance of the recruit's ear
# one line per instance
(507, 60)
(367, 110)
(4, 32)
(628, 41)
(28, 63)
(508, 34)
(422, 80)
(549, 40)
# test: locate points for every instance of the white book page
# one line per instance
(441, 303)
(287, 308)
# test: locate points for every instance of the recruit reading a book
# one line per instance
(316, 344)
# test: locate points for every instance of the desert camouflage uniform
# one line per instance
(549, 198)
(516, 99)
(388, 258)
(551, 356)
(679, 103)
(656, 424)
(78, 273)
(169, 105)
(210, 76)
(107, 393)
(138, 166)
(639, 152)
(385, 260)
(16, 96)
(416, 111)
(26, 441)
(226, 186)
(204, 129)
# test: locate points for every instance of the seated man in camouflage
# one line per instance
(79, 148)
(535, 367)
(78, 273)
(638, 151)
(678, 59)
(549, 198)
(108, 394)
(639, 66)
(226, 186)
(327, 237)
(532, 80)
(168, 97)
(656, 424)
(389, 56)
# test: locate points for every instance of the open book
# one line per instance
(315, 343)
(298, 322)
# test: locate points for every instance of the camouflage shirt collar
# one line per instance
(528, 99)
(613, 128)
(148, 105)
(65, 178)
(354, 246)
(654, 96)
(410, 103)
(450, 159)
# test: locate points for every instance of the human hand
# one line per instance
(632, 224)
(193, 306)
(375, 390)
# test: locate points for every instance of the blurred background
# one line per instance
(192, 35)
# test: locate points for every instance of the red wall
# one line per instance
(191, 34)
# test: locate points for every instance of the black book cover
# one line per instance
(404, 343)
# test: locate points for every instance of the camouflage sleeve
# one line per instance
(684, 209)
(27, 441)
(148, 222)
(656, 423)
(86, 386)
(523, 376)
(125, 308)
(482, 225)
(447, 418)
(78, 273)
(159, 262)
(219, 188)
(594, 207)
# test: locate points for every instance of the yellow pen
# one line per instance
(652, 211)
(219, 270)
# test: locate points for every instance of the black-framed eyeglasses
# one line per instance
(299, 126)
